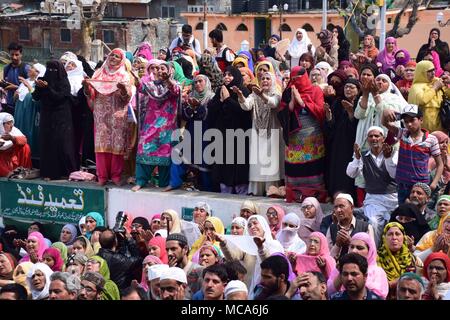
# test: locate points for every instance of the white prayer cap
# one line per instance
(377, 128)
(174, 273)
(155, 271)
(235, 286)
(345, 196)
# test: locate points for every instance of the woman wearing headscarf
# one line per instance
(247, 76)
(428, 92)
(317, 256)
(318, 78)
(38, 279)
(68, 234)
(248, 56)
(83, 246)
(110, 289)
(251, 250)
(265, 138)
(343, 43)
(20, 275)
(302, 116)
(328, 49)
(27, 110)
(7, 265)
(148, 261)
(170, 221)
(436, 270)
(363, 244)
(434, 43)
(238, 226)
(307, 61)
(209, 68)
(155, 223)
(412, 220)
(442, 209)
(288, 234)
(56, 133)
(340, 130)
(324, 66)
(435, 240)
(311, 218)
(109, 93)
(402, 57)
(370, 48)
(275, 215)
(386, 58)
(93, 220)
(208, 255)
(240, 62)
(62, 248)
(378, 94)
(212, 225)
(155, 145)
(336, 81)
(298, 46)
(194, 111)
(157, 248)
(225, 113)
(394, 256)
(145, 50)
(35, 247)
(14, 150)
(52, 258)
(406, 81)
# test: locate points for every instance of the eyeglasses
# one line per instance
(88, 289)
(409, 70)
(136, 225)
(92, 261)
(307, 207)
(166, 218)
(272, 214)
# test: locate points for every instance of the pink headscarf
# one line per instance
(387, 59)
(145, 51)
(56, 255)
(310, 225)
(280, 214)
(376, 277)
(437, 64)
(161, 243)
(442, 137)
(305, 262)
(42, 245)
(144, 277)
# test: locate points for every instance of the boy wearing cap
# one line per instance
(416, 147)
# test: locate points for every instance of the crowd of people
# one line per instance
(362, 130)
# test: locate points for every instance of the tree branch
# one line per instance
(398, 32)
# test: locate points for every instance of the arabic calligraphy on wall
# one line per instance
(56, 203)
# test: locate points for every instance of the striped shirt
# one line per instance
(413, 157)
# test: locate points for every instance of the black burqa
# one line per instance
(441, 47)
(229, 115)
(56, 133)
(340, 135)
(416, 228)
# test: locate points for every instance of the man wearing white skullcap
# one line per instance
(236, 290)
(339, 233)
(172, 284)
(378, 167)
(154, 273)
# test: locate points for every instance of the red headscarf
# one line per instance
(437, 256)
(161, 243)
(56, 255)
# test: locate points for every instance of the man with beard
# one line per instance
(215, 279)
(177, 251)
(420, 195)
(353, 272)
(274, 278)
(173, 284)
(154, 274)
(378, 167)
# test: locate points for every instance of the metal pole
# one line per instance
(281, 21)
(383, 26)
(324, 14)
(205, 27)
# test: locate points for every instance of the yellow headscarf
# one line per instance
(430, 237)
(240, 60)
(176, 224)
(394, 264)
(420, 81)
(218, 227)
(271, 70)
(22, 278)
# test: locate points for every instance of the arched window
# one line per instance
(308, 27)
(242, 27)
(221, 26)
(285, 27)
(199, 26)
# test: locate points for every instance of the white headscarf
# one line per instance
(288, 237)
(246, 244)
(297, 48)
(45, 269)
(324, 66)
(6, 117)
(22, 91)
(75, 76)
(392, 87)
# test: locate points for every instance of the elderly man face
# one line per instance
(240, 295)
(58, 291)
(375, 139)
(200, 215)
(418, 196)
(443, 207)
(343, 210)
(409, 289)
(88, 291)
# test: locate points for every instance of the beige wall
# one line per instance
(233, 38)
